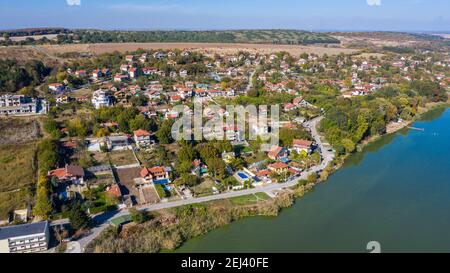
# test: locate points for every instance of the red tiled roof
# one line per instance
(141, 133)
(263, 173)
(302, 143)
(144, 172)
(279, 165)
(273, 153)
(114, 190)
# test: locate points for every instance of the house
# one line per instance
(129, 58)
(279, 167)
(263, 174)
(277, 153)
(120, 78)
(97, 73)
(228, 157)
(159, 55)
(117, 142)
(143, 57)
(142, 138)
(62, 99)
(80, 73)
(149, 71)
(101, 98)
(289, 107)
(26, 238)
(199, 168)
(133, 72)
(155, 175)
(21, 105)
(106, 72)
(300, 145)
(70, 173)
(183, 73)
(175, 99)
(56, 87)
(114, 191)
(124, 68)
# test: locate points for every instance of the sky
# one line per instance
(313, 15)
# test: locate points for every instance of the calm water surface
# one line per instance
(396, 192)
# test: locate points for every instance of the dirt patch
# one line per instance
(148, 195)
(122, 158)
(126, 178)
(396, 126)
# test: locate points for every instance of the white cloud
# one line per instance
(73, 2)
(374, 3)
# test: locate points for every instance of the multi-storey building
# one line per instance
(21, 105)
(101, 98)
(24, 238)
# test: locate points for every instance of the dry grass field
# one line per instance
(19, 130)
(16, 176)
(221, 48)
(36, 37)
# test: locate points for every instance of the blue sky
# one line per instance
(401, 15)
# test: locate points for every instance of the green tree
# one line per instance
(164, 134)
(217, 167)
(349, 145)
(312, 178)
(78, 217)
(137, 216)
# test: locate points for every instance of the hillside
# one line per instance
(293, 37)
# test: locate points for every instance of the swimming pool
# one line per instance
(161, 182)
(243, 175)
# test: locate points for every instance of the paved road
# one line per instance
(102, 221)
(250, 82)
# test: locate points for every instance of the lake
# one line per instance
(395, 192)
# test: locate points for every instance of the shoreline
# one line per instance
(269, 208)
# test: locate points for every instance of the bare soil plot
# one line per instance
(148, 196)
(126, 178)
(122, 158)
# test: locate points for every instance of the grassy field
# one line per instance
(16, 176)
(249, 199)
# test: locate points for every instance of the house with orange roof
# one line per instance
(56, 87)
(156, 175)
(277, 153)
(70, 173)
(142, 138)
(301, 145)
(279, 167)
(114, 191)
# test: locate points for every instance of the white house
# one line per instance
(101, 98)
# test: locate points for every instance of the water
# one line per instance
(396, 192)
